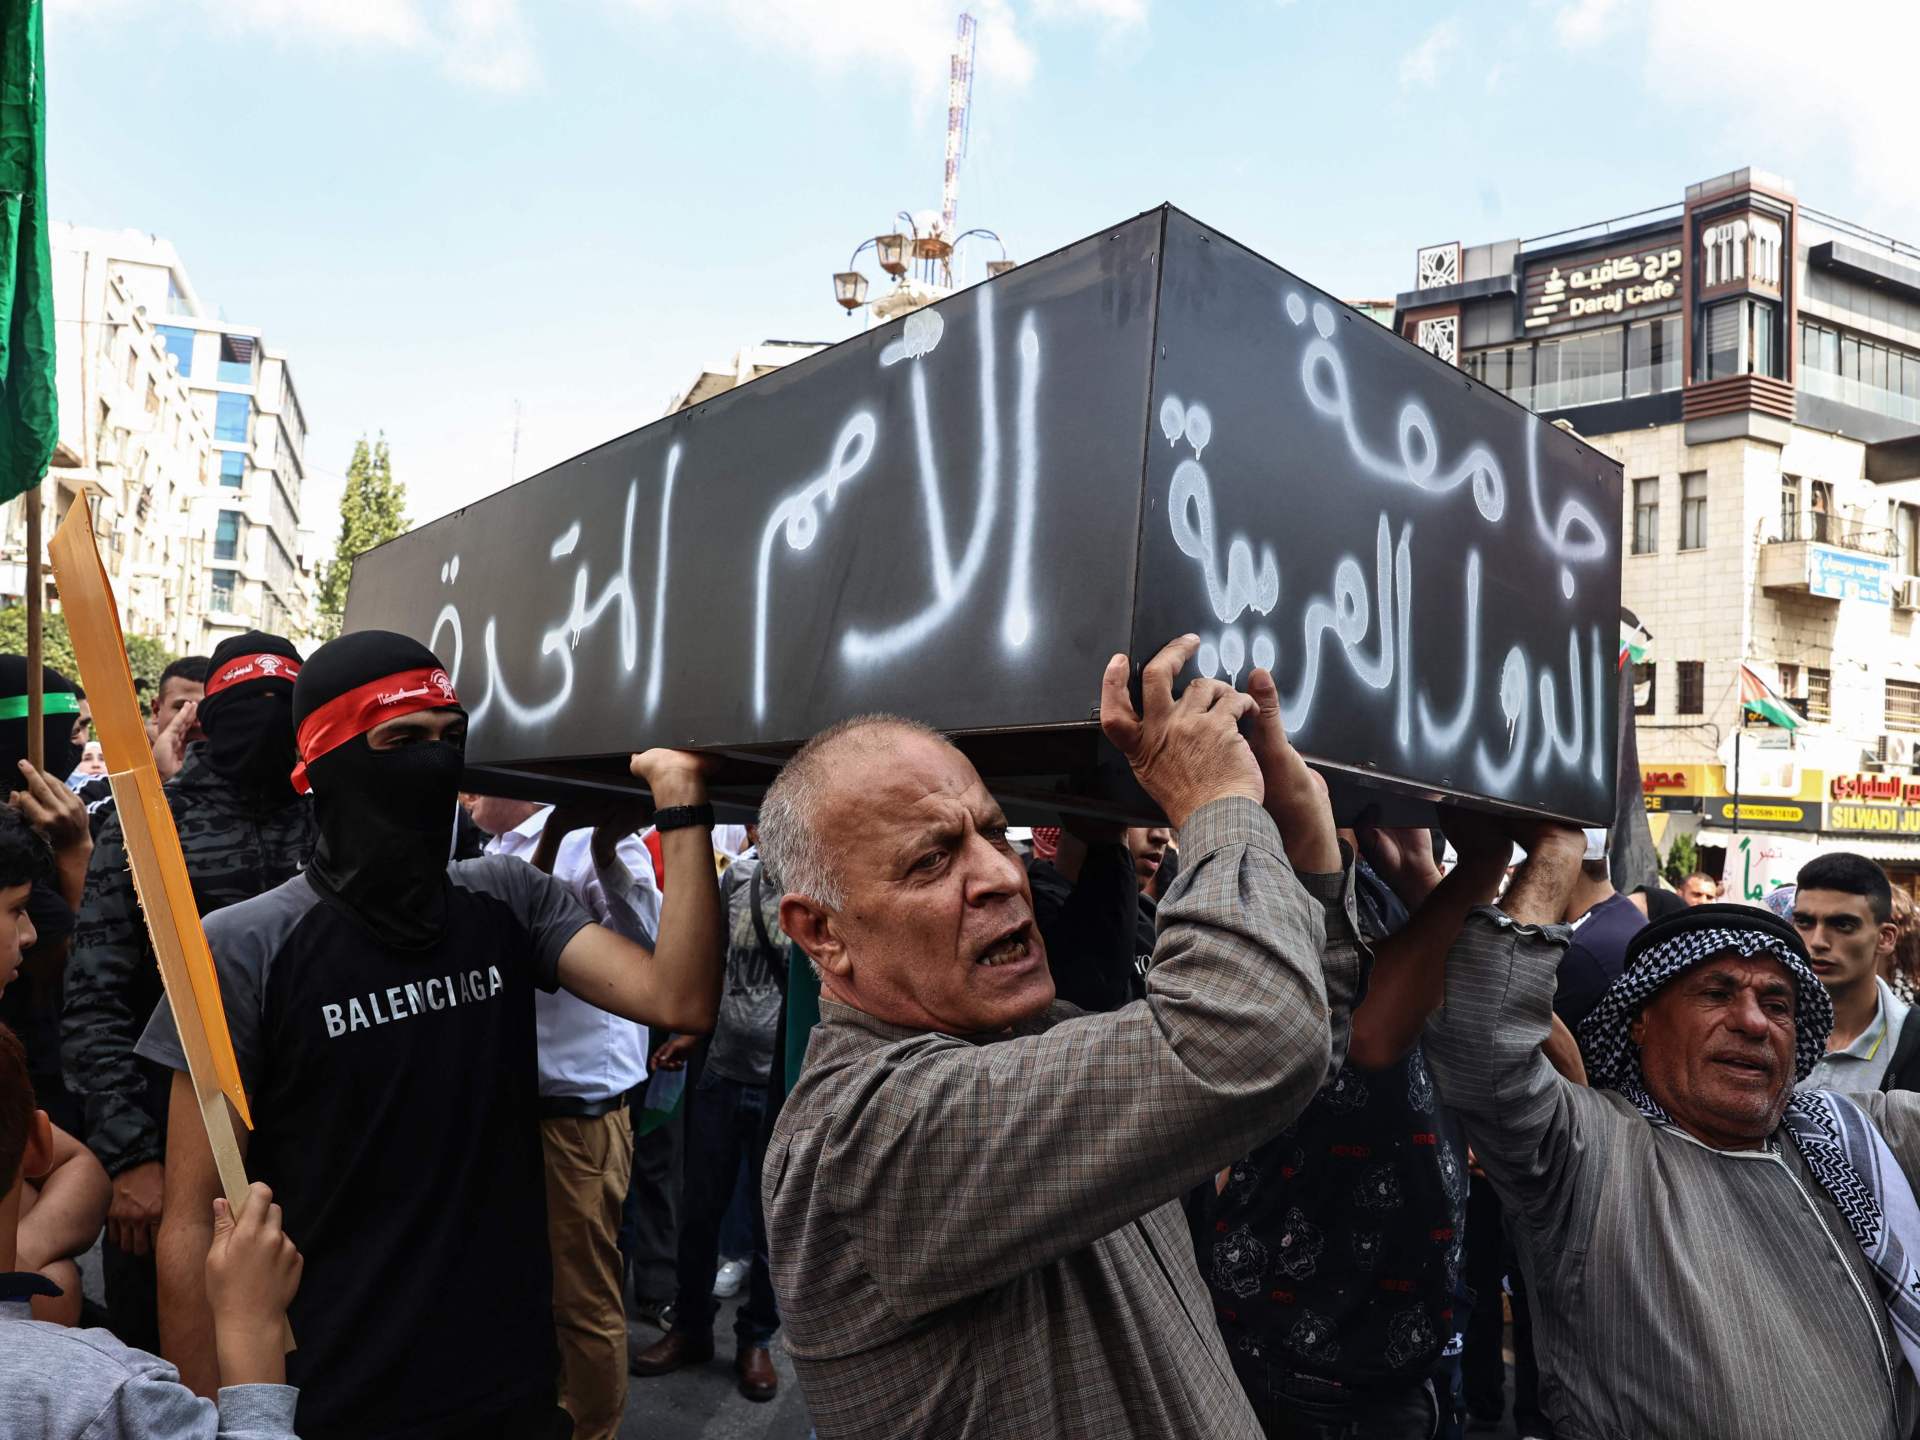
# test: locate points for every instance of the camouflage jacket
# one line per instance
(234, 849)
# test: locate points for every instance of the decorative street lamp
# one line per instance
(896, 252)
(892, 252)
(850, 288)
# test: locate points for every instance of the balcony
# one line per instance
(1822, 556)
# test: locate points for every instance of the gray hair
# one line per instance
(790, 838)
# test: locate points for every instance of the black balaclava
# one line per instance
(56, 722)
(248, 715)
(385, 816)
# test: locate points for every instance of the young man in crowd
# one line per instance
(1602, 921)
(590, 1061)
(59, 1211)
(1333, 1251)
(173, 724)
(243, 830)
(726, 1106)
(1843, 909)
(1094, 913)
(63, 1384)
(1699, 888)
(41, 797)
(381, 1008)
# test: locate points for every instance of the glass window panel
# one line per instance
(1691, 699)
(1646, 516)
(1693, 512)
(221, 594)
(1666, 353)
(1721, 337)
(1760, 339)
(236, 360)
(226, 536)
(1640, 379)
(230, 416)
(233, 469)
(179, 343)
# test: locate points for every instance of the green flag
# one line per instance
(29, 418)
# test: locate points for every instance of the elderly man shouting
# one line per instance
(972, 1192)
(1710, 1254)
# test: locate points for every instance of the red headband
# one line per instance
(264, 666)
(360, 709)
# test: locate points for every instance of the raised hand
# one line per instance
(1184, 752)
(1296, 795)
(170, 745)
(675, 777)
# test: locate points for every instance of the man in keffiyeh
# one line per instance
(1711, 1254)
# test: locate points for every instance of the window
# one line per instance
(1789, 507)
(236, 359)
(233, 469)
(179, 342)
(1693, 512)
(226, 536)
(230, 416)
(1759, 338)
(1819, 693)
(1585, 369)
(1718, 344)
(1645, 688)
(1859, 371)
(1903, 706)
(1646, 517)
(220, 596)
(1906, 538)
(1653, 356)
(1789, 680)
(1692, 697)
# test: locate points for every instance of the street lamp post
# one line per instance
(896, 250)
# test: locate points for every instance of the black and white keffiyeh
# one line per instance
(1607, 1047)
(1843, 1149)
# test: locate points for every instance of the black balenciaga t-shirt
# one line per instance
(394, 1095)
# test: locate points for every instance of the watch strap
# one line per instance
(680, 817)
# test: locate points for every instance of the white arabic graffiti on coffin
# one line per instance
(796, 518)
(1246, 586)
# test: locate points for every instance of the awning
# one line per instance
(1874, 847)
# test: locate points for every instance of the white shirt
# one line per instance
(585, 1051)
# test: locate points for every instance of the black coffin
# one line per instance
(961, 515)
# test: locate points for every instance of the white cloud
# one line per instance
(1421, 65)
(1579, 22)
(1837, 98)
(908, 39)
(484, 43)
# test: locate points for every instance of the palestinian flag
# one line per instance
(1757, 697)
(1635, 640)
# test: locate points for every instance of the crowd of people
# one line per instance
(1242, 1125)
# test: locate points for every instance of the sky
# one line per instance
(452, 213)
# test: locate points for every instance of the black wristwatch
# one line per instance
(679, 817)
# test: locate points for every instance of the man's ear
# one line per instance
(1889, 938)
(810, 925)
(38, 1159)
(1637, 1031)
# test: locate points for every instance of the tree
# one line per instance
(146, 656)
(372, 512)
(1683, 859)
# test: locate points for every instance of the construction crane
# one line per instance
(959, 101)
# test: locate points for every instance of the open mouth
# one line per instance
(1746, 1066)
(1010, 948)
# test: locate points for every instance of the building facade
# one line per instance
(186, 433)
(1754, 364)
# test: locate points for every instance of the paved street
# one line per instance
(702, 1403)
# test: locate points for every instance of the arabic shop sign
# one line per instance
(1600, 287)
(1848, 575)
(1874, 804)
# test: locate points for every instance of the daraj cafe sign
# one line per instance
(1874, 804)
(1603, 287)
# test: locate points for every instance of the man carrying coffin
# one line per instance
(1709, 1254)
(381, 1005)
(972, 1192)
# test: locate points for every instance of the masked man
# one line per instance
(381, 1006)
(243, 830)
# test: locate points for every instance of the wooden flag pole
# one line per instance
(36, 600)
(153, 848)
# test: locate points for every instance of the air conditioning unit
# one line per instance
(1896, 752)
(1906, 593)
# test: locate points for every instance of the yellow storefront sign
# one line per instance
(1873, 819)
